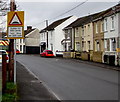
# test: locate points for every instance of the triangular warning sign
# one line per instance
(15, 20)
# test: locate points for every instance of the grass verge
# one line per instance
(10, 94)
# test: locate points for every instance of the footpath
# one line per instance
(31, 89)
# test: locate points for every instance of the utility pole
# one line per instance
(47, 32)
(11, 48)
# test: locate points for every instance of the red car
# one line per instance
(17, 51)
(47, 53)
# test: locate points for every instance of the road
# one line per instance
(73, 80)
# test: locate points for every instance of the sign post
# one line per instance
(15, 30)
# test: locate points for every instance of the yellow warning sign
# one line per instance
(15, 18)
(15, 25)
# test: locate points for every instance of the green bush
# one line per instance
(10, 94)
(9, 97)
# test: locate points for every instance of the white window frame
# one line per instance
(112, 22)
(105, 24)
(96, 27)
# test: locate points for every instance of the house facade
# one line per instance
(98, 39)
(20, 45)
(30, 44)
(56, 34)
(111, 36)
(32, 41)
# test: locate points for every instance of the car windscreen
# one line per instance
(49, 52)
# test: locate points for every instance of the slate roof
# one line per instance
(112, 10)
(81, 21)
(28, 31)
(54, 24)
(86, 19)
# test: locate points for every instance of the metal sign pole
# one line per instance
(15, 61)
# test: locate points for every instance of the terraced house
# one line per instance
(96, 37)
(112, 36)
(82, 36)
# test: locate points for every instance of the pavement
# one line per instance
(30, 88)
(102, 65)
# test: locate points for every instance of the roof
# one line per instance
(112, 10)
(28, 31)
(81, 21)
(54, 24)
(86, 19)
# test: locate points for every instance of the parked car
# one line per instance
(4, 52)
(47, 53)
(17, 51)
(59, 53)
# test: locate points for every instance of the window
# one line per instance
(102, 26)
(41, 36)
(105, 25)
(77, 32)
(85, 30)
(44, 35)
(97, 45)
(69, 32)
(82, 31)
(113, 44)
(112, 23)
(96, 28)
(77, 46)
(82, 44)
(105, 45)
(88, 28)
(20, 47)
(88, 45)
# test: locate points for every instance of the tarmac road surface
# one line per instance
(73, 80)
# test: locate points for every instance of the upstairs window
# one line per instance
(102, 26)
(88, 28)
(77, 32)
(105, 25)
(82, 31)
(112, 23)
(96, 28)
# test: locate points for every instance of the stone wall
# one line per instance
(97, 56)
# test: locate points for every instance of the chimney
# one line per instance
(29, 28)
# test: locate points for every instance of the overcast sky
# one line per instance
(37, 12)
